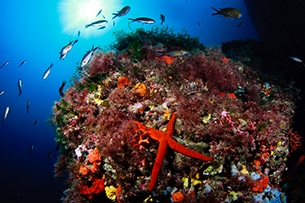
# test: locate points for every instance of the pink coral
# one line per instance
(102, 63)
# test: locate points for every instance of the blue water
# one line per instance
(35, 31)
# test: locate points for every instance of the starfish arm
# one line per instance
(153, 133)
(170, 126)
(183, 150)
(158, 163)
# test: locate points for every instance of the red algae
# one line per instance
(222, 110)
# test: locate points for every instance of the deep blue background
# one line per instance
(35, 31)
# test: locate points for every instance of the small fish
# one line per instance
(162, 18)
(31, 149)
(98, 23)
(99, 12)
(57, 147)
(4, 64)
(49, 154)
(296, 59)
(228, 12)
(122, 12)
(28, 103)
(20, 172)
(87, 57)
(78, 34)
(35, 122)
(64, 51)
(47, 72)
(7, 110)
(1, 92)
(102, 27)
(51, 179)
(143, 20)
(175, 53)
(240, 24)
(22, 63)
(61, 93)
(20, 83)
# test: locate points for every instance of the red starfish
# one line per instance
(165, 138)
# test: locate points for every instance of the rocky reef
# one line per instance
(110, 121)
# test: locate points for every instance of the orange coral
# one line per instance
(177, 196)
(260, 185)
(167, 59)
(118, 194)
(257, 164)
(84, 170)
(122, 81)
(94, 156)
(95, 166)
(230, 95)
(96, 187)
(140, 89)
(225, 60)
(93, 163)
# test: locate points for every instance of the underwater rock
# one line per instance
(95, 127)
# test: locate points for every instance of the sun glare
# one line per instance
(75, 14)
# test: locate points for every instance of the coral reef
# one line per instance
(107, 120)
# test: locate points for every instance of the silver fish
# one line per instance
(35, 122)
(64, 51)
(7, 110)
(61, 88)
(49, 154)
(143, 20)
(240, 24)
(22, 63)
(99, 12)
(4, 64)
(1, 92)
(102, 27)
(47, 72)
(20, 86)
(122, 12)
(296, 59)
(175, 53)
(31, 149)
(87, 57)
(21, 174)
(28, 104)
(98, 23)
